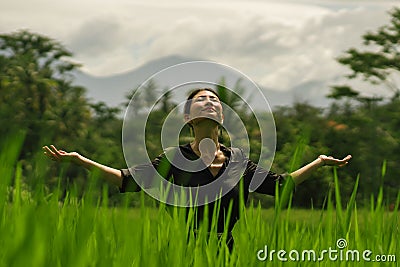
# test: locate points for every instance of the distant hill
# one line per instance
(113, 89)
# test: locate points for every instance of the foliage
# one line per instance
(36, 94)
(39, 98)
(39, 230)
(60, 215)
(368, 125)
(379, 64)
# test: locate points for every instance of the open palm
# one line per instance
(59, 155)
(331, 161)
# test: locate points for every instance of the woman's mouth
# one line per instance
(209, 109)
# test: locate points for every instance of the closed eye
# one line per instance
(202, 98)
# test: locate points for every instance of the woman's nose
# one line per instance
(209, 101)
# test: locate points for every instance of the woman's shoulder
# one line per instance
(231, 149)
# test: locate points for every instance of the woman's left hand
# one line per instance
(331, 161)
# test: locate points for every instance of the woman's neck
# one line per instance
(202, 131)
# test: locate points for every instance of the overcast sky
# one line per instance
(279, 44)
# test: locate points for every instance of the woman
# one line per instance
(203, 112)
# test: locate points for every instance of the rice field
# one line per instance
(37, 229)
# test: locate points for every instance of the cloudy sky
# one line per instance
(277, 43)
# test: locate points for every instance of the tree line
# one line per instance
(39, 99)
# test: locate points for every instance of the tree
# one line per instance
(381, 63)
(167, 105)
(36, 93)
(339, 92)
(373, 131)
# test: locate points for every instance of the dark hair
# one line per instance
(186, 109)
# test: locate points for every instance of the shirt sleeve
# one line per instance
(269, 179)
(145, 172)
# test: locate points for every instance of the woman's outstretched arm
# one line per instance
(303, 173)
(111, 175)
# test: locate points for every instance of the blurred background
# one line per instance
(329, 69)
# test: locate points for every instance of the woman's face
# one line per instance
(205, 104)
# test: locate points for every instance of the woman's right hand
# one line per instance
(112, 175)
(60, 155)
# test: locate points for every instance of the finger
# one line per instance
(341, 161)
(50, 156)
(49, 151)
(348, 157)
(55, 150)
(345, 160)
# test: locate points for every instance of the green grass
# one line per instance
(36, 229)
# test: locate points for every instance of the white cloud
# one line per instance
(277, 43)
(96, 37)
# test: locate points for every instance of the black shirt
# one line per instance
(203, 177)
